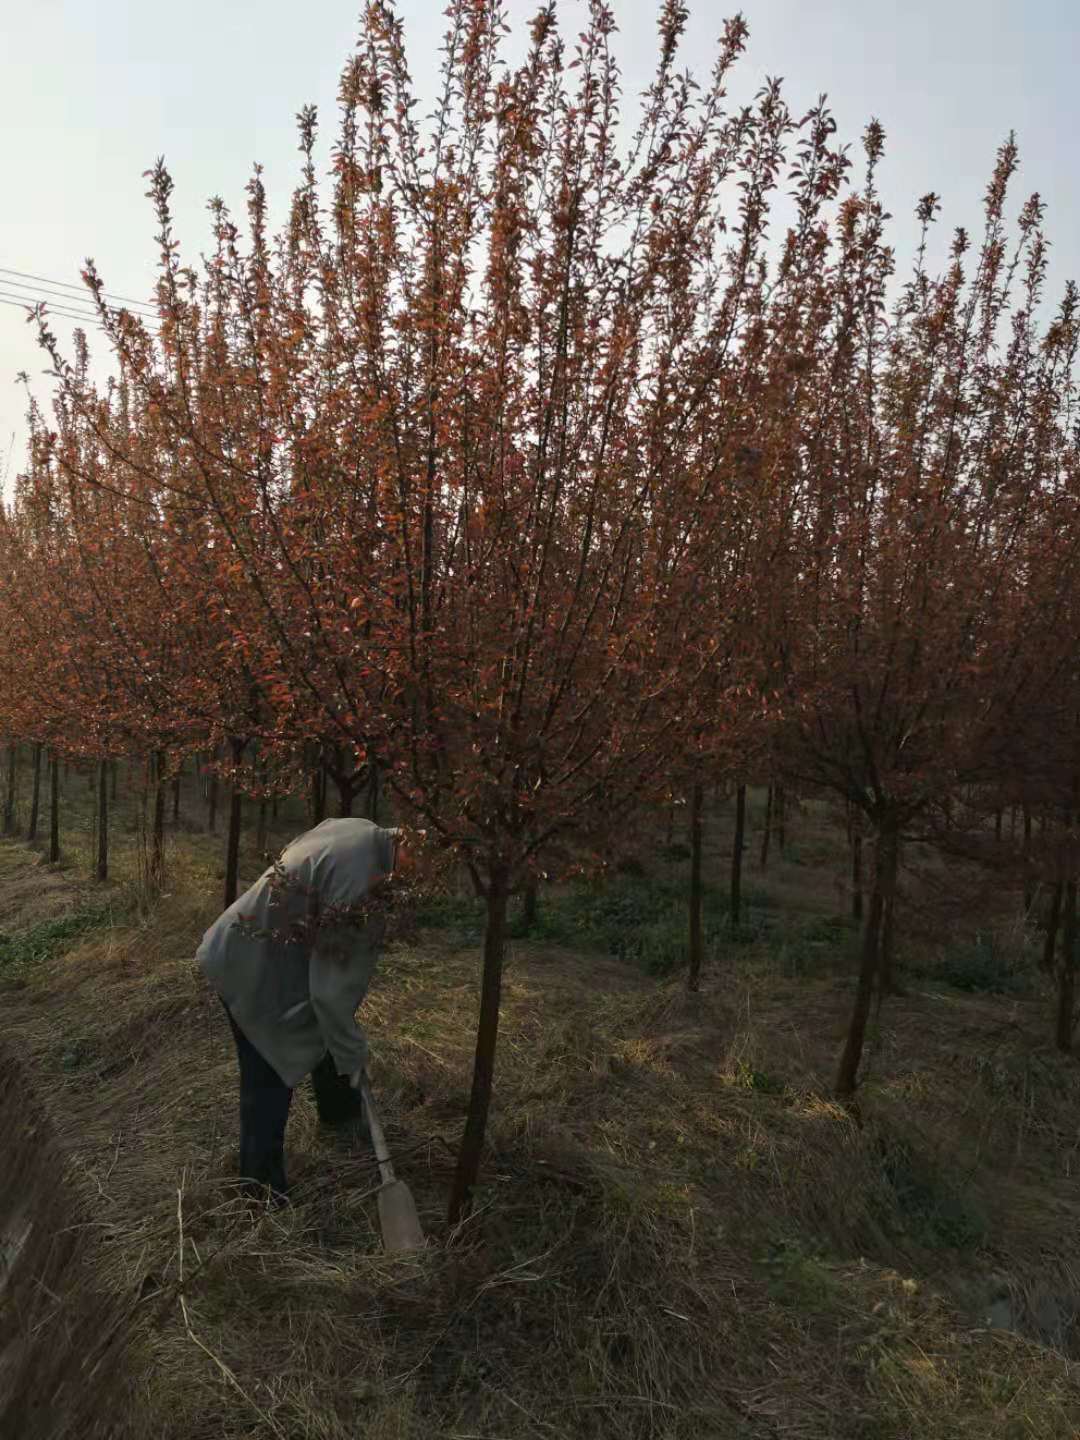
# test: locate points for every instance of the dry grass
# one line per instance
(30, 890)
(678, 1238)
(67, 1339)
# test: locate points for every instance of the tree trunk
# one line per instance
(176, 794)
(9, 798)
(115, 779)
(856, 867)
(767, 835)
(345, 784)
(848, 1073)
(212, 804)
(318, 796)
(886, 977)
(1067, 971)
(157, 842)
(887, 968)
(54, 810)
(697, 944)
(103, 821)
(530, 903)
(780, 809)
(487, 1033)
(1029, 881)
(274, 808)
(35, 797)
(373, 797)
(346, 788)
(736, 856)
(1053, 920)
(263, 814)
(232, 848)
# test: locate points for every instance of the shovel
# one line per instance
(398, 1219)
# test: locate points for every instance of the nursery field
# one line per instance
(651, 496)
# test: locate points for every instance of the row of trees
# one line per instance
(530, 472)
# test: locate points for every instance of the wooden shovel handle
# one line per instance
(378, 1139)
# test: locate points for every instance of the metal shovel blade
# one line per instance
(398, 1219)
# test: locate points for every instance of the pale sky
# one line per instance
(92, 91)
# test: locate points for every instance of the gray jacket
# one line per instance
(286, 960)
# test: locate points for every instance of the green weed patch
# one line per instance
(642, 922)
(27, 948)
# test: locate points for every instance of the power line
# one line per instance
(86, 317)
(72, 308)
(72, 300)
(68, 285)
(21, 303)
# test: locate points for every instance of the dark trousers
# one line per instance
(264, 1111)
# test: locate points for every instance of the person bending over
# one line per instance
(291, 960)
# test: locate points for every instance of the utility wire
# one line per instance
(87, 317)
(81, 289)
(63, 306)
(26, 307)
(58, 298)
